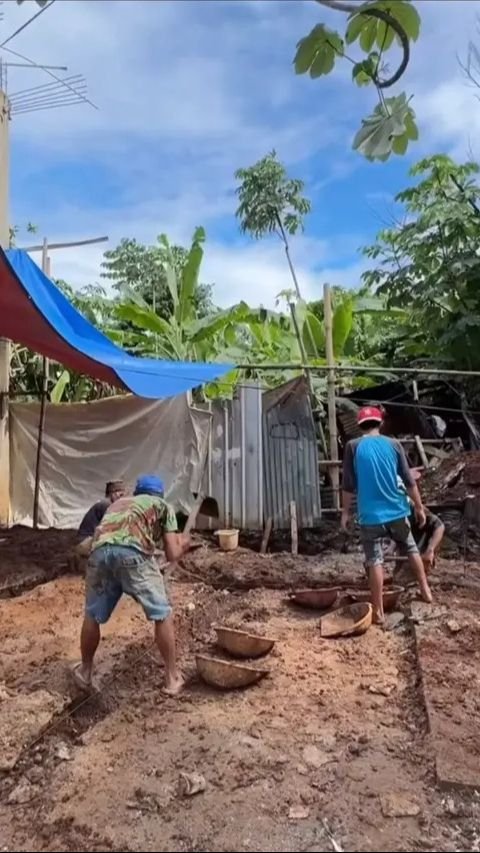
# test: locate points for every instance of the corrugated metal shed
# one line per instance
(234, 471)
(290, 457)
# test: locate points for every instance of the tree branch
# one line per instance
(388, 19)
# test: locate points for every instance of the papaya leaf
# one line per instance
(317, 52)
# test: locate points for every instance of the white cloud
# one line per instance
(187, 93)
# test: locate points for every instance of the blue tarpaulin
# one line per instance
(35, 313)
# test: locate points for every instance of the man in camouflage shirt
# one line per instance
(122, 560)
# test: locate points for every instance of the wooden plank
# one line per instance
(437, 452)
(294, 528)
(266, 536)
(421, 451)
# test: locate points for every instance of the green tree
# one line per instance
(133, 266)
(178, 335)
(271, 203)
(364, 329)
(375, 27)
(239, 334)
(430, 263)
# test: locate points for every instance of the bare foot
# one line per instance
(174, 686)
(82, 679)
(378, 617)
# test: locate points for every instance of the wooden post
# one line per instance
(421, 452)
(294, 527)
(5, 346)
(332, 413)
(307, 373)
(266, 536)
(43, 406)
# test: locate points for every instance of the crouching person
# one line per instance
(428, 539)
(114, 490)
(122, 560)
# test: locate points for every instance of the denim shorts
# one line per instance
(372, 537)
(113, 570)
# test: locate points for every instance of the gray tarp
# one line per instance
(86, 444)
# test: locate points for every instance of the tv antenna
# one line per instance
(59, 91)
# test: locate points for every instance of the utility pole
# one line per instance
(4, 343)
(59, 92)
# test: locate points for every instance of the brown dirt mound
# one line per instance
(454, 479)
(29, 557)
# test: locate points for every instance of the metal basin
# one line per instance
(316, 599)
(225, 675)
(390, 596)
(241, 644)
(347, 621)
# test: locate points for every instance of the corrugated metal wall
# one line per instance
(262, 455)
(290, 456)
(234, 471)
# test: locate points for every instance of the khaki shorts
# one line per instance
(372, 537)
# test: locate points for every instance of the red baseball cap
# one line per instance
(369, 413)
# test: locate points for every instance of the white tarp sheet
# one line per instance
(86, 444)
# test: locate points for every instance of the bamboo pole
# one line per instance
(332, 412)
(43, 405)
(355, 368)
(308, 374)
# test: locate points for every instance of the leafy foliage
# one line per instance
(270, 201)
(390, 128)
(375, 27)
(317, 52)
(431, 263)
(419, 303)
(134, 267)
(15, 230)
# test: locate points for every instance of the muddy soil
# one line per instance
(29, 557)
(448, 652)
(334, 742)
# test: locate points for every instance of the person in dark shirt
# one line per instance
(114, 490)
(428, 537)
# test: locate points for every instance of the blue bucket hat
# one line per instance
(149, 484)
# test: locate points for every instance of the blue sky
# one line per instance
(189, 91)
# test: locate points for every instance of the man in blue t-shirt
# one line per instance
(371, 467)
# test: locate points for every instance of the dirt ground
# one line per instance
(332, 751)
